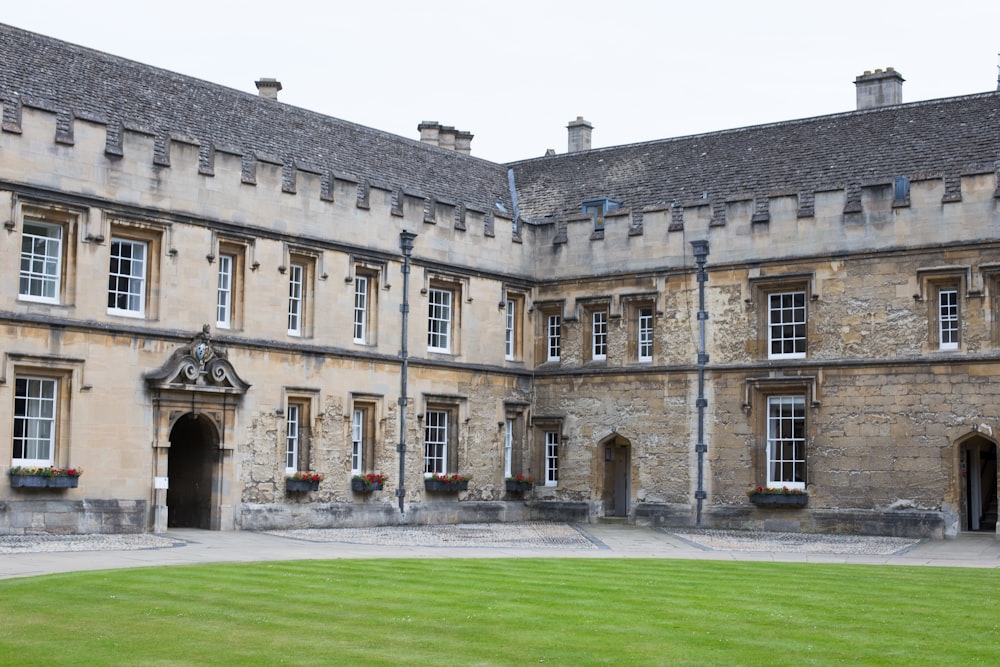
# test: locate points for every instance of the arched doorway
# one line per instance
(191, 468)
(978, 476)
(616, 451)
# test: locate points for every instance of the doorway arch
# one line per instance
(978, 484)
(616, 450)
(192, 468)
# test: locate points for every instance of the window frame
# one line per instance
(299, 408)
(68, 221)
(798, 443)
(44, 276)
(513, 325)
(757, 405)
(932, 283)
(362, 295)
(131, 280)
(597, 333)
(224, 291)
(296, 298)
(949, 322)
(552, 446)
(364, 422)
(445, 460)
(549, 447)
(34, 422)
(760, 291)
(798, 341)
(516, 459)
(151, 236)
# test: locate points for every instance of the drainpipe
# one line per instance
(700, 249)
(406, 245)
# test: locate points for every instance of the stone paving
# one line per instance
(486, 536)
(730, 540)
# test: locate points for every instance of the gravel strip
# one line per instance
(21, 544)
(514, 535)
(855, 545)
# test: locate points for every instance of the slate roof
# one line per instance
(72, 80)
(944, 137)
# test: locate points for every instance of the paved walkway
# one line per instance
(24, 556)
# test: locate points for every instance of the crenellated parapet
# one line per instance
(922, 210)
(175, 174)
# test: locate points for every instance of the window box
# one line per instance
(519, 483)
(778, 498)
(447, 483)
(518, 487)
(45, 478)
(366, 483)
(303, 481)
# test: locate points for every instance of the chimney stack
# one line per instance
(879, 89)
(267, 87)
(579, 135)
(445, 136)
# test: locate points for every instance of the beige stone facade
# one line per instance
(563, 346)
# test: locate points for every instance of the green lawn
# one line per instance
(505, 612)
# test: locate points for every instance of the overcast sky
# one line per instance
(514, 73)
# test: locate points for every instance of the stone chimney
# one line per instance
(267, 87)
(445, 136)
(879, 89)
(579, 135)
(463, 142)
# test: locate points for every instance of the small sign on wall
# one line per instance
(161, 482)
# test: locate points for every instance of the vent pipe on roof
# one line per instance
(579, 135)
(879, 89)
(268, 87)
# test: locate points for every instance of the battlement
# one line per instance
(178, 175)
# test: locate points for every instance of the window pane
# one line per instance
(357, 441)
(360, 308)
(553, 337)
(292, 438)
(436, 441)
(786, 441)
(439, 320)
(34, 421)
(295, 276)
(948, 318)
(787, 324)
(41, 261)
(127, 276)
(224, 302)
(600, 335)
(645, 330)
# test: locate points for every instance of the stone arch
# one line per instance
(977, 480)
(197, 383)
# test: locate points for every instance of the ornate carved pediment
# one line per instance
(198, 366)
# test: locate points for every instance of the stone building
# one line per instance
(208, 291)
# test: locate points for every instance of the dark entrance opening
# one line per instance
(979, 484)
(616, 476)
(190, 467)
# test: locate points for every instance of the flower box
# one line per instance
(298, 485)
(515, 486)
(366, 483)
(303, 480)
(446, 483)
(779, 499)
(45, 478)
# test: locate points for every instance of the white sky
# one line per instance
(515, 72)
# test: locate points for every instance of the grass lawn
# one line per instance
(504, 612)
